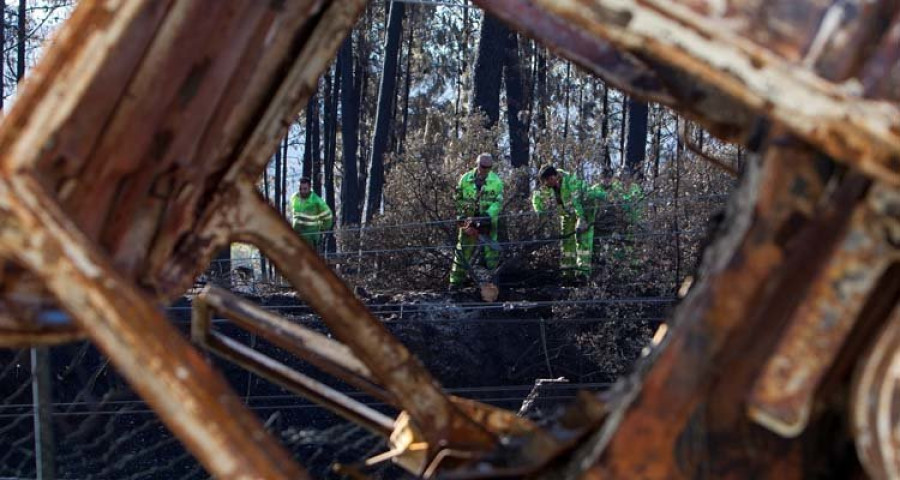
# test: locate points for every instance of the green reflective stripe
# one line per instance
(306, 223)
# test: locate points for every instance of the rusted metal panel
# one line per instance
(192, 399)
(782, 397)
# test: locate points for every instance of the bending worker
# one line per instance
(577, 208)
(479, 199)
(311, 214)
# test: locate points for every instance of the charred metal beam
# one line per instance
(277, 372)
(324, 353)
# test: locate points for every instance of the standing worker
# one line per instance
(311, 214)
(577, 208)
(479, 199)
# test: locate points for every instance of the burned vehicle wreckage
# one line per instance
(128, 161)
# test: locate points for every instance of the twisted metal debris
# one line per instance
(129, 160)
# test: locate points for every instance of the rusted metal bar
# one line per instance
(251, 220)
(283, 375)
(322, 352)
(22, 331)
(782, 397)
(193, 400)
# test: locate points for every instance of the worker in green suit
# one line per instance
(479, 200)
(576, 204)
(311, 215)
(627, 198)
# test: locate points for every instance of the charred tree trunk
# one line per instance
(637, 138)
(307, 168)
(23, 37)
(463, 66)
(263, 262)
(284, 170)
(350, 213)
(623, 131)
(316, 141)
(277, 201)
(657, 142)
(567, 86)
(489, 68)
(540, 96)
(407, 80)
(604, 133)
(332, 87)
(515, 102)
(361, 82)
(679, 150)
(387, 92)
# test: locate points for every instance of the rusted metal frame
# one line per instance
(281, 374)
(30, 336)
(97, 32)
(192, 399)
(179, 256)
(322, 352)
(860, 133)
(102, 40)
(782, 397)
(874, 410)
(250, 219)
(651, 409)
(696, 150)
(538, 447)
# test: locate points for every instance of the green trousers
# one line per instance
(312, 236)
(465, 249)
(577, 248)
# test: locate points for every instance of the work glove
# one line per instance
(581, 226)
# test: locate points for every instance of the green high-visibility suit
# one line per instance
(628, 200)
(479, 203)
(311, 216)
(574, 200)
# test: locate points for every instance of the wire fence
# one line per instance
(541, 328)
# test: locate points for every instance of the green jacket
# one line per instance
(575, 198)
(311, 214)
(470, 202)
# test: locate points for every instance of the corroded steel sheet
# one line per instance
(783, 395)
(128, 160)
